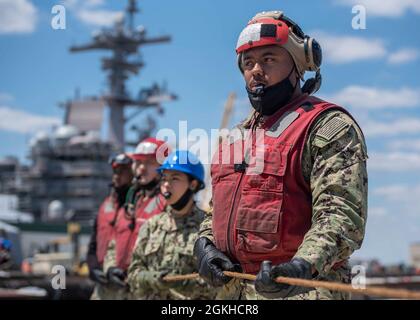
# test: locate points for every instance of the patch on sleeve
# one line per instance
(332, 128)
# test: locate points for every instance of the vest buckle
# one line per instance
(240, 167)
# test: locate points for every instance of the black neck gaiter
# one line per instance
(121, 194)
(267, 100)
(183, 201)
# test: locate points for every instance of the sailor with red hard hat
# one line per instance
(143, 201)
(303, 212)
(105, 221)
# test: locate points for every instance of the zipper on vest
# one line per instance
(230, 237)
(241, 169)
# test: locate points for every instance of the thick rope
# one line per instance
(333, 286)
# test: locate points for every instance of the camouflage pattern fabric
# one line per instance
(165, 247)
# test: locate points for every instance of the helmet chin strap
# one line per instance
(183, 201)
(312, 85)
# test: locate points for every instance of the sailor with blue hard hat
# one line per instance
(182, 177)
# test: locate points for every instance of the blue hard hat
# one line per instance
(5, 243)
(186, 162)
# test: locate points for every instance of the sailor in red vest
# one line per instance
(105, 220)
(290, 182)
(143, 201)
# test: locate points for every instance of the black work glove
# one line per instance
(296, 268)
(212, 262)
(116, 276)
(98, 276)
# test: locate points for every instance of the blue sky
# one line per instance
(373, 72)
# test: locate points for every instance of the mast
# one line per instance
(124, 42)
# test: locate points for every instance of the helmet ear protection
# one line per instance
(311, 48)
(305, 51)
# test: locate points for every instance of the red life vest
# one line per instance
(265, 216)
(107, 215)
(127, 229)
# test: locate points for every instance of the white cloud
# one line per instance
(376, 98)
(403, 56)
(93, 3)
(90, 13)
(23, 122)
(345, 49)
(397, 191)
(73, 4)
(385, 8)
(394, 161)
(402, 196)
(99, 18)
(404, 144)
(17, 16)
(391, 128)
(341, 49)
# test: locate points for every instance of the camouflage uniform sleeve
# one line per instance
(206, 226)
(138, 264)
(334, 162)
(185, 263)
(110, 259)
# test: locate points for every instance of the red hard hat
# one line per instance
(121, 159)
(274, 28)
(150, 147)
(262, 32)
